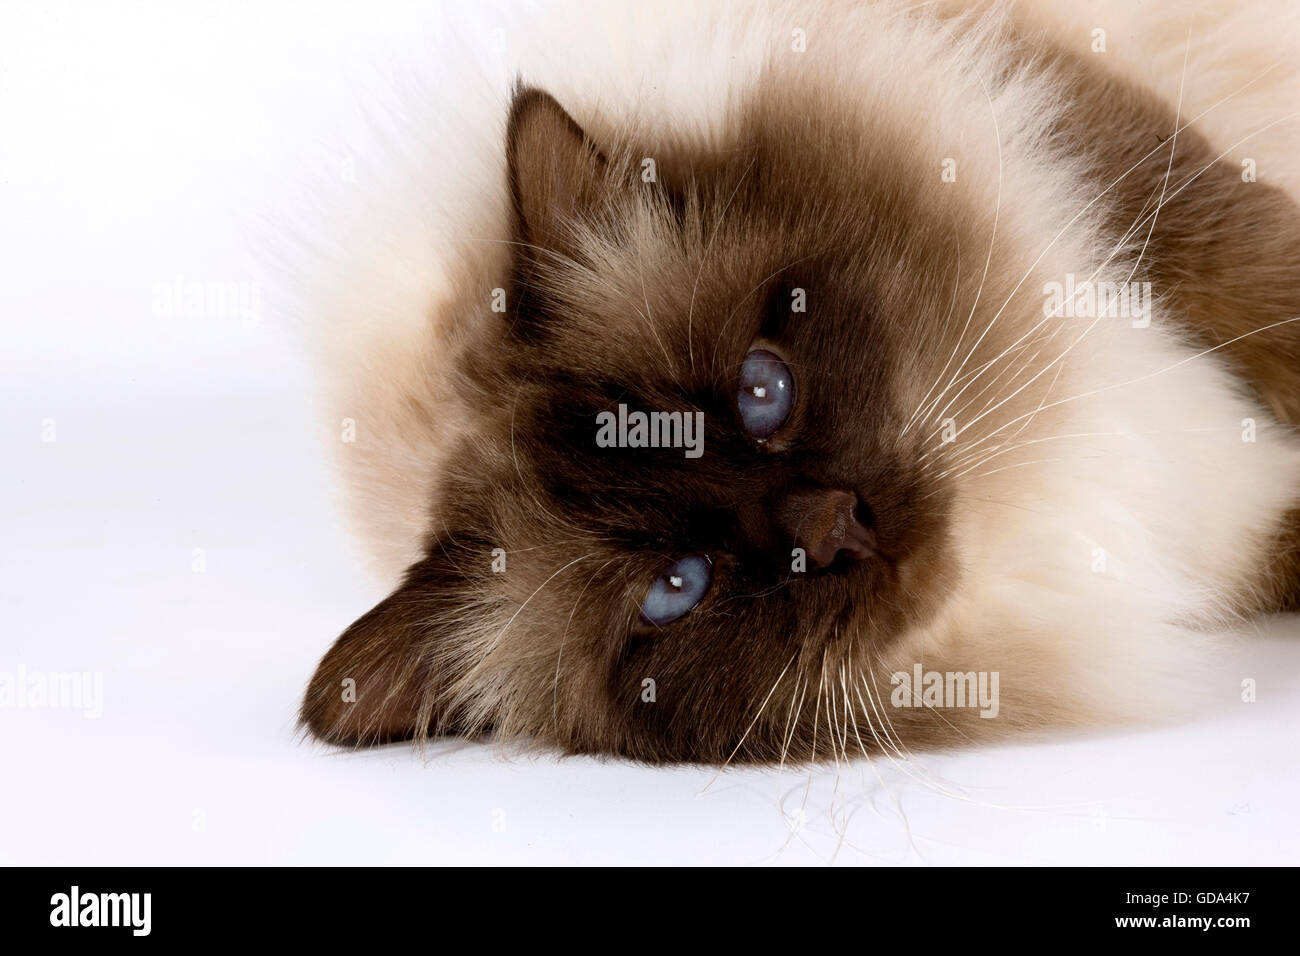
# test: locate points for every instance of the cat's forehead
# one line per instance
(692, 259)
(655, 297)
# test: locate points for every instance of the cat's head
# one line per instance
(778, 312)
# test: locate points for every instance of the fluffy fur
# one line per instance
(1096, 514)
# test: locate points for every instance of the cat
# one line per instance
(993, 346)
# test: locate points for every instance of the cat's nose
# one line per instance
(826, 523)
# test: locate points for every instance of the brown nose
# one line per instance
(824, 522)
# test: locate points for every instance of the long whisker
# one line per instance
(559, 656)
(1141, 378)
(988, 260)
(740, 743)
(956, 285)
(650, 319)
(1173, 148)
(717, 340)
(690, 312)
(1124, 175)
(791, 723)
(538, 591)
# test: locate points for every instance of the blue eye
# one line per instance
(677, 591)
(766, 394)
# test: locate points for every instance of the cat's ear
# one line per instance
(379, 682)
(555, 170)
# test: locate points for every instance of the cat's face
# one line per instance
(687, 602)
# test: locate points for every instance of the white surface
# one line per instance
(129, 149)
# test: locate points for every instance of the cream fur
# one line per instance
(1162, 482)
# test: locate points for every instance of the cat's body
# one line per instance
(1066, 500)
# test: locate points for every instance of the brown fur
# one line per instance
(1226, 251)
(651, 294)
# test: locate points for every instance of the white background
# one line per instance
(136, 145)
